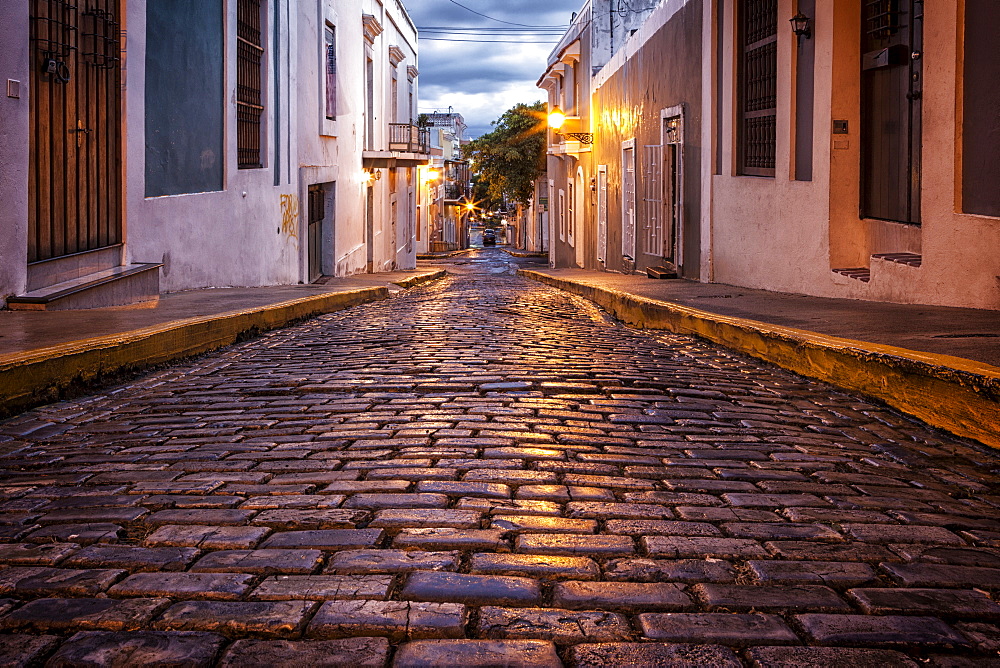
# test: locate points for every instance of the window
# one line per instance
(369, 101)
(249, 74)
(409, 105)
(570, 211)
(562, 215)
(394, 97)
(757, 51)
(331, 72)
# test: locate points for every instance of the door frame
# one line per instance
(82, 93)
(602, 214)
(672, 127)
(628, 248)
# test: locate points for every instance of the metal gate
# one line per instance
(602, 213)
(628, 200)
(74, 182)
(891, 84)
(652, 200)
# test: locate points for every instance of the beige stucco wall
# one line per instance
(784, 235)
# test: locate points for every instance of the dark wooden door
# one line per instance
(317, 212)
(891, 84)
(75, 173)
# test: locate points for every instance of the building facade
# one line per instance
(444, 199)
(851, 153)
(190, 143)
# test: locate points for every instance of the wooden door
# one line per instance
(74, 186)
(317, 212)
(891, 84)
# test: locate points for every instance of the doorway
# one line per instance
(891, 84)
(74, 183)
(673, 186)
(602, 214)
(317, 214)
(628, 199)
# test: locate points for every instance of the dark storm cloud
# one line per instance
(472, 67)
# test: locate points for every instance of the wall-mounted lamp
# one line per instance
(371, 176)
(801, 26)
(431, 175)
(558, 118)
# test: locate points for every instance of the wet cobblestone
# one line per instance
(486, 470)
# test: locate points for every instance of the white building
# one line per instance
(176, 144)
(442, 213)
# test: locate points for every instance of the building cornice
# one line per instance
(396, 55)
(371, 27)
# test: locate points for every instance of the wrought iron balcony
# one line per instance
(454, 191)
(408, 138)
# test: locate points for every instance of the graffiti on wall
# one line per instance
(290, 216)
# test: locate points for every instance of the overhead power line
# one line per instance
(490, 41)
(523, 25)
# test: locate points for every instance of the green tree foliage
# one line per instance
(512, 156)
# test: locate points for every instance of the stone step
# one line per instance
(666, 271)
(120, 286)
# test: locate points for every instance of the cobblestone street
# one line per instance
(485, 471)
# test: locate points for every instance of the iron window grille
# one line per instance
(758, 86)
(249, 73)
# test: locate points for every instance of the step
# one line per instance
(863, 274)
(909, 259)
(665, 271)
(120, 286)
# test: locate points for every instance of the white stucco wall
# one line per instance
(14, 127)
(239, 236)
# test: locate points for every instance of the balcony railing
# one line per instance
(454, 191)
(408, 138)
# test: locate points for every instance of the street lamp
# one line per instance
(558, 118)
(800, 26)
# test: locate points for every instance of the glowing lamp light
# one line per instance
(556, 118)
(431, 175)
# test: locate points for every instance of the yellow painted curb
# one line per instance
(959, 395)
(421, 278)
(37, 376)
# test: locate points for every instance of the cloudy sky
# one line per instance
(498, 68)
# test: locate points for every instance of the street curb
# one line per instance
(526, 254)
(414, 281)
(955, 394)
(38, 376)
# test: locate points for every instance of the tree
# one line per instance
(511, 157)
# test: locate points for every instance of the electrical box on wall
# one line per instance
(840, 127)
(14, 89)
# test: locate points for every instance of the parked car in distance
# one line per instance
(489, 238)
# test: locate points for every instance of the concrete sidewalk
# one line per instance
(42, 354)
(939, 364)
